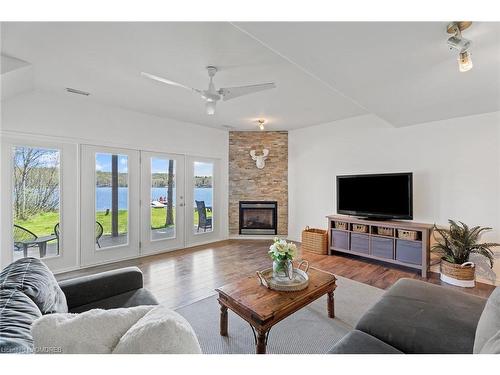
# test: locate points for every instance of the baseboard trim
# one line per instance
(256, 237)
(82, 267)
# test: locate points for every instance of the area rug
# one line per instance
(308, 331)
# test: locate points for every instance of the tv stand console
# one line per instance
(404, 243)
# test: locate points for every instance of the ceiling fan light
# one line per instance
(464, 61)
(210, 107)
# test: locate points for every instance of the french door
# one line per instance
(202, 200)
(137, 203)
(162, 202)
(38, 216)
(110, 192)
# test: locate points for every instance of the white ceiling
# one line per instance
(401, 72)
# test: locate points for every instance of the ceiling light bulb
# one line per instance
(210, 107)
(464, 61)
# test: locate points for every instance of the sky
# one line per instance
(158, 165)
(47, 159)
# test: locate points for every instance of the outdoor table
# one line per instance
(41, 242)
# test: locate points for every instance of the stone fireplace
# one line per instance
(258, 217)
(247, 183)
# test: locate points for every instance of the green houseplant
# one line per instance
(455, 245)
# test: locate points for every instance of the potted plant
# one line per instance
(455, 245)
(282, 253)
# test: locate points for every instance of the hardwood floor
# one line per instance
(181, 277)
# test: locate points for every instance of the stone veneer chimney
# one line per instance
(247, 182)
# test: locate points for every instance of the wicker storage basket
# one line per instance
(315, 240)
(360, 228)
(383, 231)
(456, 271)
(407, 234)
(341, 225)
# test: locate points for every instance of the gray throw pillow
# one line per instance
(34, 279)
(17, 313)
(487, 339)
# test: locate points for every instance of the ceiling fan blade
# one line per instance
(233, 92)
(168, 82)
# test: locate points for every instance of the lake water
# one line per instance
(103, 196)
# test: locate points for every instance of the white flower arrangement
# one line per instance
(281, 250)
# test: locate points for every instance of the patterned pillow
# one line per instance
(17, 313)
(34, 279)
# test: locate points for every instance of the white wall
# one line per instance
(456, 166)
(75, 116)
(79, 120)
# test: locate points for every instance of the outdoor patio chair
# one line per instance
(98, 233)
(203, 221)
(21, 235)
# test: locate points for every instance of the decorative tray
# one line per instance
(299, 281)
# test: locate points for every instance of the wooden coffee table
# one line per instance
(262, 308)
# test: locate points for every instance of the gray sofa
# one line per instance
(417, 317)
(29, 290)
(107, 290)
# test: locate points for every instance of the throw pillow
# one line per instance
(33, 278)
(17, 313)
(92, 332)
(161, 330)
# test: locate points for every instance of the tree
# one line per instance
(36, 181)
(169, 220)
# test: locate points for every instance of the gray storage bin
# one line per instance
(360, 243)
(340, 239)
(409, 251)
(382, 247)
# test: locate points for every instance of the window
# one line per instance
(36, 202)
(111, 200)
(162, 202)
(203, 197)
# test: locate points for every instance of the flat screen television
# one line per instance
(376, 196)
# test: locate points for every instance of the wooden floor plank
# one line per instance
(181, 277)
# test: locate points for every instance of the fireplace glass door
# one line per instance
(258, 217)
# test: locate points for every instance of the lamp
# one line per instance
(464, 61)
(210, 107)
(460, 44)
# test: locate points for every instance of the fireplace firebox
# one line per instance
(259, 217)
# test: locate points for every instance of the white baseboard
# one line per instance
(255, 237)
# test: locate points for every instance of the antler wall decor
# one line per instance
(260, 159)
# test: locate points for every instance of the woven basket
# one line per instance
(341, 225)
(315, 240)
(360, 228)
(458, 272)
(407, 234)
(384, 231)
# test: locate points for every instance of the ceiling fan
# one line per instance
(211, 95)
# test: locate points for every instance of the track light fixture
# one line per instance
(461, 44)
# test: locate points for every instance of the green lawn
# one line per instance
(43, 224)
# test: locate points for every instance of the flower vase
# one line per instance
(282, 269)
